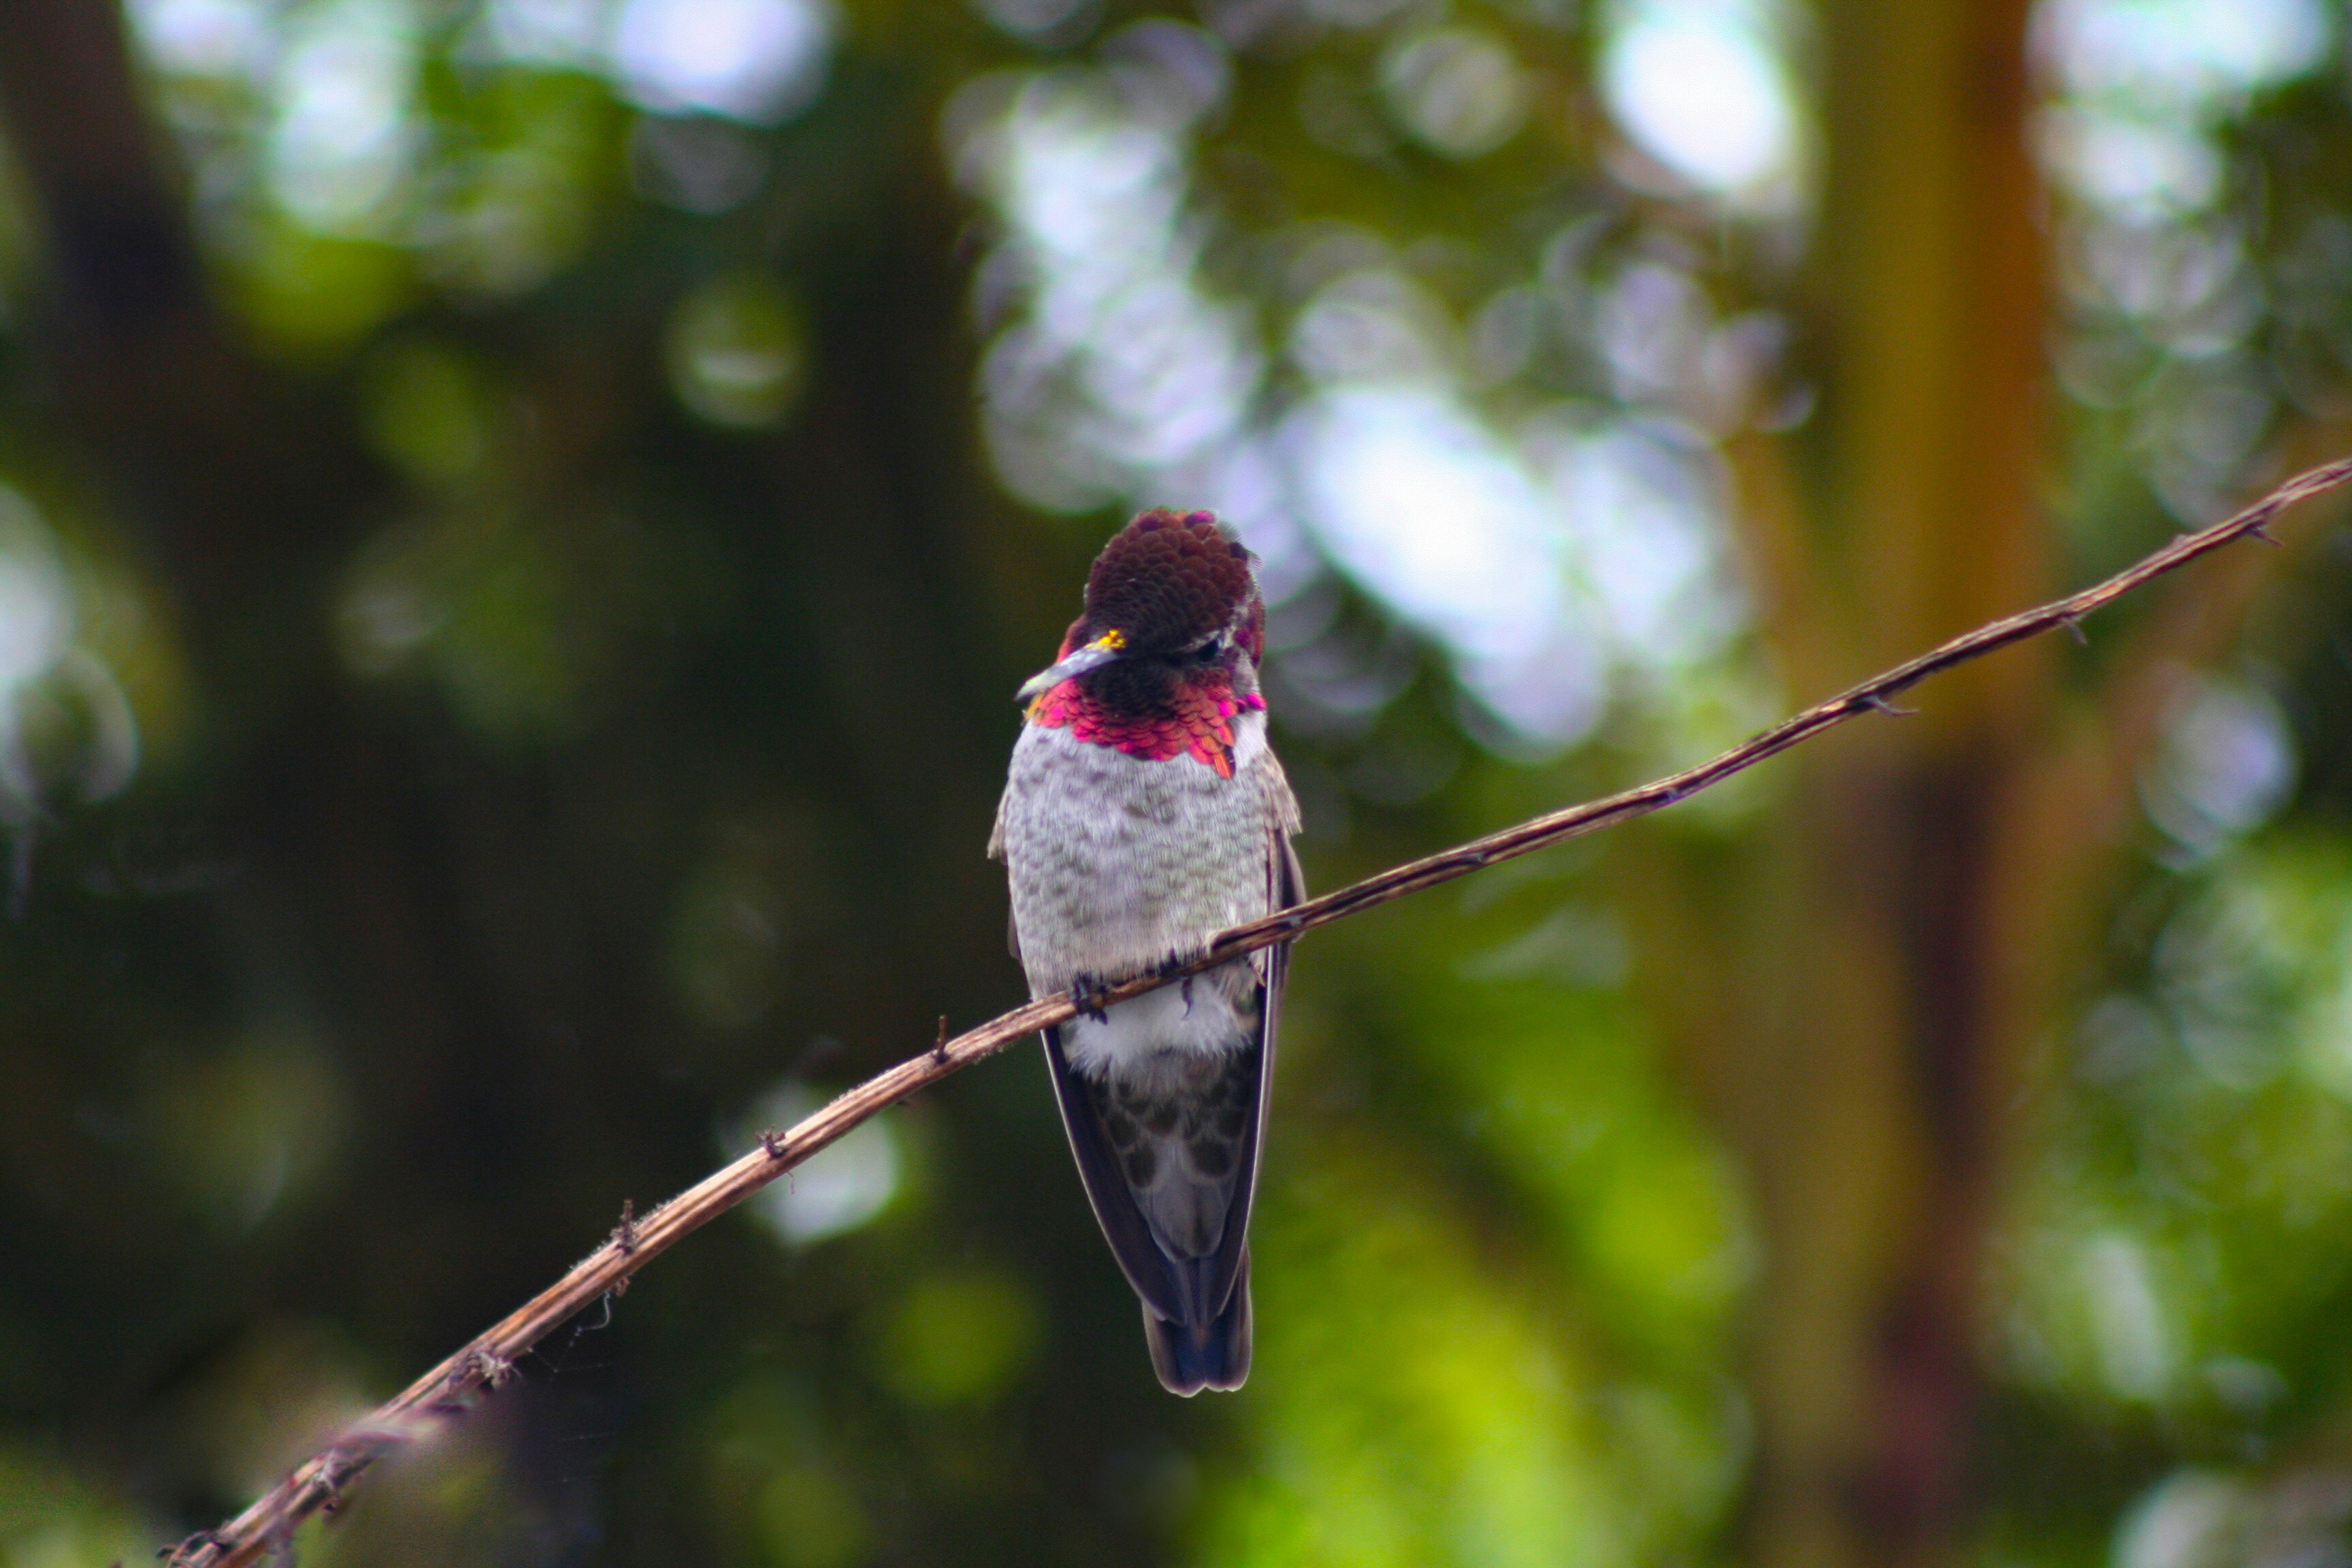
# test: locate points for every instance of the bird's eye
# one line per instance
(1211, 651)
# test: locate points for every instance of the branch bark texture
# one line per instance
(488, 1358)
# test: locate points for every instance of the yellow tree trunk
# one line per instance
(1870, 1039)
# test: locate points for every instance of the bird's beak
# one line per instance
(1094, 656)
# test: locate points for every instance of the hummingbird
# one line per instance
(1144, 812)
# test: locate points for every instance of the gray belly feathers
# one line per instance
(1116, 865)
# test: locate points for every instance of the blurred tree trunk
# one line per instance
(1865, 1057)
(223, 467)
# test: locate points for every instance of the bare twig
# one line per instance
(412, 1414)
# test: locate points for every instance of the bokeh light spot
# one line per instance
(339, 153)
(2187, 1520)
(846, 1184)
(961, 1338)
(427, 411)
(2179, 51)
(207, 37)
(1699, 87)
(1457, 89)
(36, 605)
(809, 1519)
(738, 352)
(2227, 762)
(761, 61)
(1046, 23)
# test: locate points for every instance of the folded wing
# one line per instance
(1169, 1152)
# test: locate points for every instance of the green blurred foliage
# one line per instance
(597, 768)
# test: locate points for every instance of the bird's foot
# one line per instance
(1090, 994)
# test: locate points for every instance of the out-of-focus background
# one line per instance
(519, 522)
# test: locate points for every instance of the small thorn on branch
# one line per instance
(940, 1047)
(494, 1368)
(343, 1460)
(625, 1235)
(189, 1549)
(773, 1142)
(1872, 700)
(2262, 530)
(2073, 625)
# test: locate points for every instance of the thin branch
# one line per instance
(318, 1484)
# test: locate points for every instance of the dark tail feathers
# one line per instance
(1213, 1355)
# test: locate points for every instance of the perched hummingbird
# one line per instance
(1144, 814)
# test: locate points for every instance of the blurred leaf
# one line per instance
(809, 1520)
(958, 1338)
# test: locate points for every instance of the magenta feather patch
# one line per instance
(1199, 725)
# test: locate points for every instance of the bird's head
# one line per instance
(1170, 641)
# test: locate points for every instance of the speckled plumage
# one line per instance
(1144, 812)
(1118, 861)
